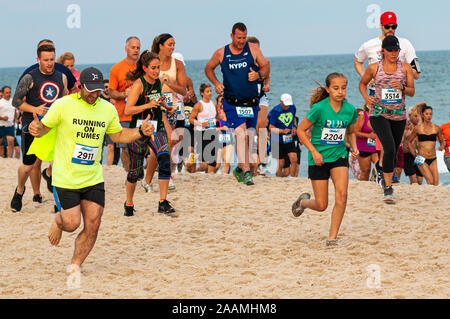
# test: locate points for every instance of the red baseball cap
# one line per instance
(388, 18)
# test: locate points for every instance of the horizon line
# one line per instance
(278, 56)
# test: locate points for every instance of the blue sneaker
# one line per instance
(395, 178)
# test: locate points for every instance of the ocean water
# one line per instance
(296, 75)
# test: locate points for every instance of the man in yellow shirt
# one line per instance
(82, 120)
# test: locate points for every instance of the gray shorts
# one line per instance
(447, 161)
(127, 125)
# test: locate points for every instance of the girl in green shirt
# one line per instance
(331, 120)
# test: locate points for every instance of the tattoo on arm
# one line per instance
(22, 89)
(65, 90)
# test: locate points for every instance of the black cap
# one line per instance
(92, 79)
(390, 42)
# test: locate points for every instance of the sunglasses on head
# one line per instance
(393, 27)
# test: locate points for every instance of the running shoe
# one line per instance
(37, 198)
(248, 179)
(380, 179)
(48, 179)
(129, 210)
(164, 207)
(179, 167)
(171, 184)
(395, 178)
(388, 195)
(145, 185)
(238, 175)
(16, 202)
(297, 208)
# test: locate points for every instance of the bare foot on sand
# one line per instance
(54, 235)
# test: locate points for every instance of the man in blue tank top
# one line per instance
(242, 65)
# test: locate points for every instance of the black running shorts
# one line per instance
(323, 172)
(408, 165)
(70, 198)
(27, 139)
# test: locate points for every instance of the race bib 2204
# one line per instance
(332, 136)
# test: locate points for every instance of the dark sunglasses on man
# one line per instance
(392, 49)
(392, 26)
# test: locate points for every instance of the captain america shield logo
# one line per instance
(49, 92)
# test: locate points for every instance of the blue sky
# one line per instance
(285, 28)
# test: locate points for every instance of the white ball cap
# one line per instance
(287, 99)
(178, 56)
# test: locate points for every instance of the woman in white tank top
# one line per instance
(173, 81)
(203, 117)
(173, 73)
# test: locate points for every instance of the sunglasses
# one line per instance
(392, 50)
(393, 27)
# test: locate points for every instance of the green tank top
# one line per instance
(150, 92)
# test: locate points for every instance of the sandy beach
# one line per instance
(233, 241)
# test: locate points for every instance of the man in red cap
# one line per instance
(371, 49)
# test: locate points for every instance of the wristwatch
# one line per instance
(140, 131)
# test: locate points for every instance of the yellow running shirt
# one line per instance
(78, 147)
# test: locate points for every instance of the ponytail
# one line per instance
(320, 93)
(160, 39)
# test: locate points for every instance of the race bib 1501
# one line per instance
(84, 155)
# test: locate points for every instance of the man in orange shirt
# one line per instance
(446, 132)
(119, 87)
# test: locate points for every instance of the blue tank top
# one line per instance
(235, 69)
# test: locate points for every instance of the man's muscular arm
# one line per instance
(215, 60)
(261, 60)
(24, 85)
(65, 90)
(19, 102)
(116, 95)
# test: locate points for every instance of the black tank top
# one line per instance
(149, 93)
(46, 90)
